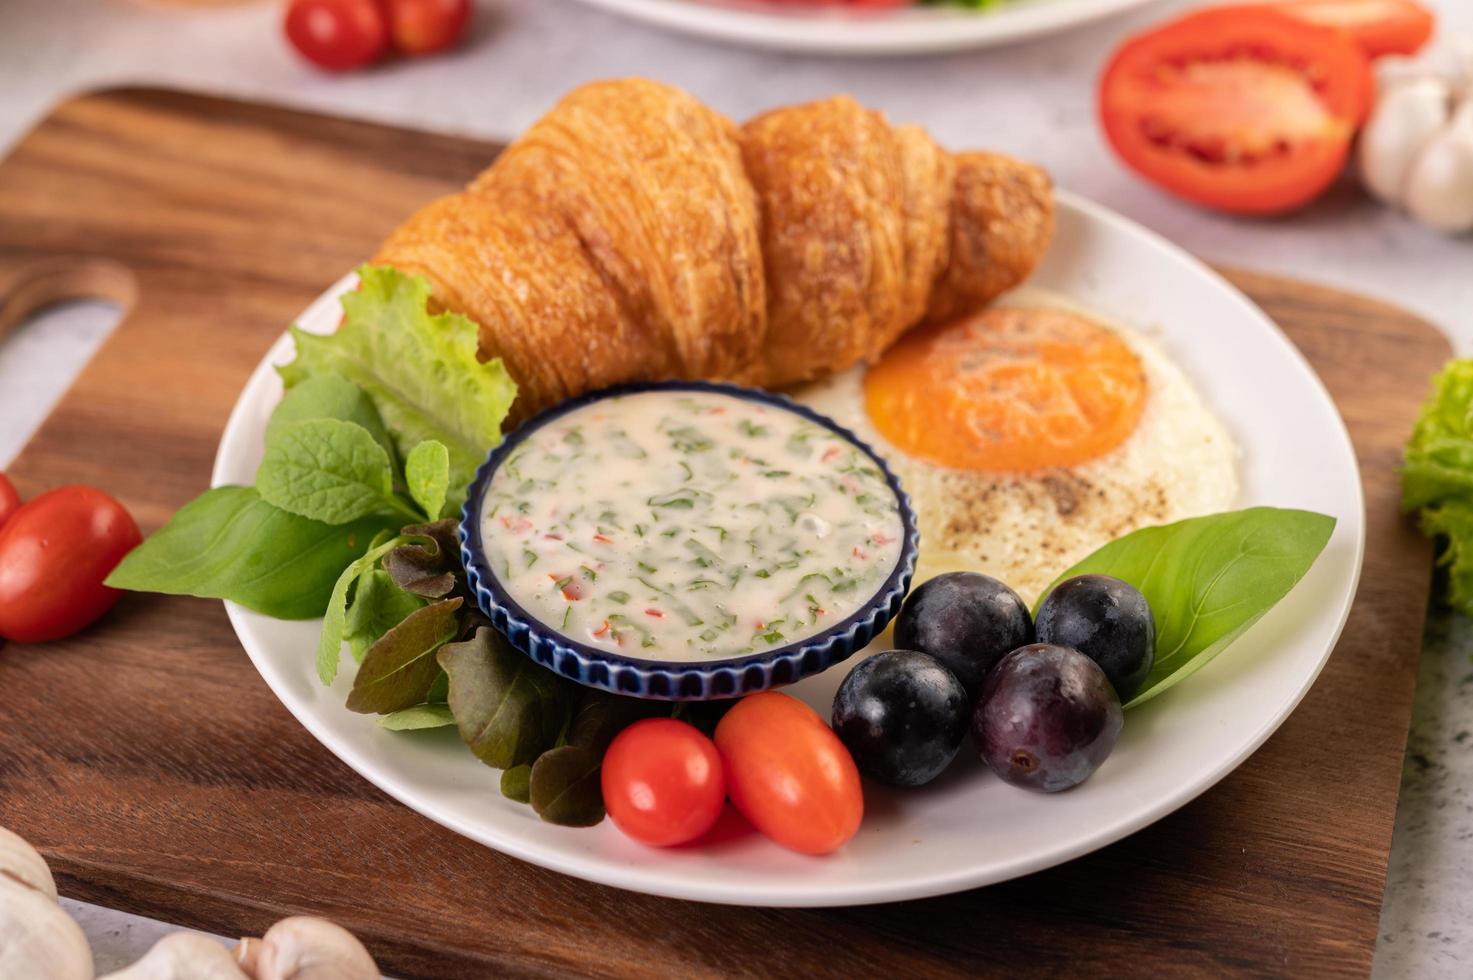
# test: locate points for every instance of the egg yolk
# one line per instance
(1007, 390)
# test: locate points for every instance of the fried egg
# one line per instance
(1031, 434)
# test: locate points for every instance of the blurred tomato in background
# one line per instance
(341, 35)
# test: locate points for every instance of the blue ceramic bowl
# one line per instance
(666, 679)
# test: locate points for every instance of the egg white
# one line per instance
(1027, 528)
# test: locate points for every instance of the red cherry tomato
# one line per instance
(1243, 109)
(54, 554)
(338, 35)
(9, 499)
(1379, 26)
(426, 26)
(662, 782)
(789, 774)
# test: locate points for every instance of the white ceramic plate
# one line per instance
(968, 828)
(840, 30)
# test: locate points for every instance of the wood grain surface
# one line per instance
(158, 774)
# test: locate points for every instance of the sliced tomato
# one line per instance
(1378, 26)
(1244, 109)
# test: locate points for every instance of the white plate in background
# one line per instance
(968, 828)
(847, 30)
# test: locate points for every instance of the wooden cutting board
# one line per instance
(157, 773)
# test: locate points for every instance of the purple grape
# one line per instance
(902, 715)
(966, 620)
(1048, 716)
(1108, 621)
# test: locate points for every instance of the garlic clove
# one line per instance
(39, 941)
(248, 956)
(19, 861)
(1405, 118)
(183, 956)
(307, 948)
(1439, 190)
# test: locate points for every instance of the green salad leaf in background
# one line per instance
(1207, 579)
(1437, 478)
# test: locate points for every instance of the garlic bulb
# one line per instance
(183, 956)
(38, 940)
(1416, 150)
(20, 861)
(1406, 117)
(306, 948)
(1439, 191)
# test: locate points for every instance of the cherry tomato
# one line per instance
(9, 499)
(662, 782)
(426, 26)
(789, 774)
(54, 554)
(1244, 109)
(1378, 26)
(338, 35)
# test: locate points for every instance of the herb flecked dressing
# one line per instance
(672, 525)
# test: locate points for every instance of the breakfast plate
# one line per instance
(966, 829)
(845, 30)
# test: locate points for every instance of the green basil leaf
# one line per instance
(1208, 579)
(228, 543)
(509, 709)
(377, 607)
(328, 470)
(564, 787)
(418, 718)
(399, 668)
(334, 618)
(420, 369)
(329, 396)
(427, 472)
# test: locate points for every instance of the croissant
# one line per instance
(634, 233)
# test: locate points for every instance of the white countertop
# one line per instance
(1035, 100)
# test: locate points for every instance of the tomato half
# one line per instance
(54, 554)
(1378, 26)
(9, 499)
(338, 35)
(663, 782)
(788, 773)
(1244, 109)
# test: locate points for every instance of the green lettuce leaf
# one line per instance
(420, 370)
(1437, 478)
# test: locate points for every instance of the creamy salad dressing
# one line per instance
(678, 525)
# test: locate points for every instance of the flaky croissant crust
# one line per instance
(633, 233)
